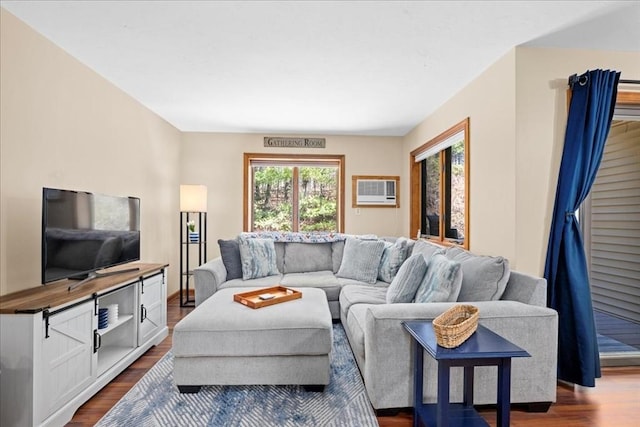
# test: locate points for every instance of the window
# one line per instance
(440, 187)
(293, 192)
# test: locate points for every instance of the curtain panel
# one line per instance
(568, 290)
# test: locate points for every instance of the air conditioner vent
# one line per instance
(375, 191)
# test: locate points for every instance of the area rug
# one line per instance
(155, 400)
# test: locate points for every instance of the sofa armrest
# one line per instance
(208, 277)
(388, 370)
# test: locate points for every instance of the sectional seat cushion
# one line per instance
(404, 286)
(262, 282)
(258, 258)
(484, 278)
(441, 282)
(230, 253)
(361, 294)
(324, 280)
(337, 249)
(361, 259)
(393, 256)
(305, 257)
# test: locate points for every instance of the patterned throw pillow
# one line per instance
(404, 286)
(393, 256)
(230, 253)
(442, 281)
(361, 259)
(258, 258)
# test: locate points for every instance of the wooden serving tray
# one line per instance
(280, 294)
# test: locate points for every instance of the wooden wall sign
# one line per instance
(294, 142)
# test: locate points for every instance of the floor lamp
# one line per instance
(193, 234)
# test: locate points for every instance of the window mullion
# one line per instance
(296, 199)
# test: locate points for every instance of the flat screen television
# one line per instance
(85, 232)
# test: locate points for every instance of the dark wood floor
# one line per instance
(613, 402)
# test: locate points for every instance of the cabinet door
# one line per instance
(68, 362)
(152, 307)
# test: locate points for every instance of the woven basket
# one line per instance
(456, 325)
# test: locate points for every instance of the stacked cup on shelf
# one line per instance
(113, 313)
(103, 318)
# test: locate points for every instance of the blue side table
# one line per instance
(483, 348)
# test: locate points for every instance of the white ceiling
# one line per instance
(313, 67)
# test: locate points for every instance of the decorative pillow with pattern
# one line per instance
(404, 286)
(393, 256)
(258, 258)
(361, 259)
(442, 281)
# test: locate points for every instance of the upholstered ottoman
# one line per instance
(223, 342)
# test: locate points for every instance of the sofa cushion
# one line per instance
(280, 255)
(484, 278)
(361, 259)
(404, 286)
(306, 257)
(393, 256)
(230, 253)
(427, 249)
(441, 282)
(361, 294)
(324, 280)
(262, 282)
(258, 258)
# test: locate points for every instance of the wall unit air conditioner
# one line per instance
(374, 191)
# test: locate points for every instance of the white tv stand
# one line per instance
(53, 357)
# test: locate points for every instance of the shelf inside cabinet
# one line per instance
(121, 321)
(110, 355)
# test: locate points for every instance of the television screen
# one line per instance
(85, 232)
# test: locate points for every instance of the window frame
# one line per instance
(289, 159)
(416, 185)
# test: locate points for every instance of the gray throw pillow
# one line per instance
(361, 259)
(404, 286)
(442, 281)
(427, 249)
(230, 253)
(393, 256)
(484, 278)
(258, 258)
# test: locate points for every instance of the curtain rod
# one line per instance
(574, 78)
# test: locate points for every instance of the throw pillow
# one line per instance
(361, 259)
(393, 256)
(484, 278)
(427, 249)
(258, 258)
(230, 253)
(404, 286)
(442, 281)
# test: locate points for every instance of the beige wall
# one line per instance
(64, 126)
(518, 114)
(489, 102)
(541, 113)
(216, 160)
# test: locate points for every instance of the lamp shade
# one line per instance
(193, 198)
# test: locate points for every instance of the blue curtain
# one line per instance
(568, 290)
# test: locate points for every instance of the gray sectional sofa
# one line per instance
(371, 307)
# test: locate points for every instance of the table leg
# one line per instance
(442, 408)
(417, 382)
(468, 386)
(504, 392)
